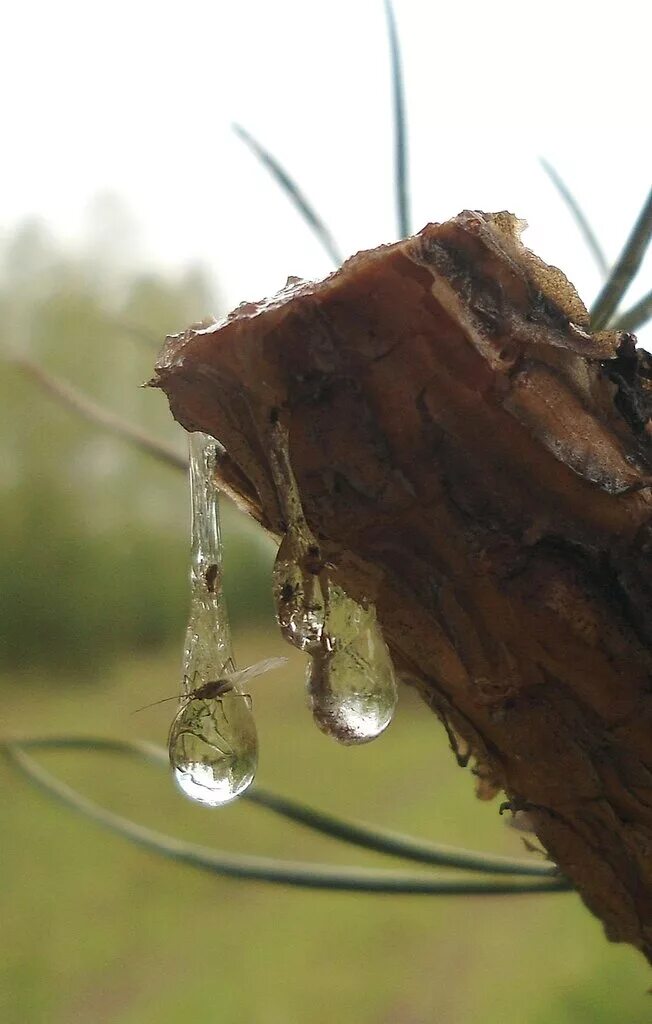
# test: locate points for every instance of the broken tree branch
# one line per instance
(475, 459)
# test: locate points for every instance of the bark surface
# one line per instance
(477, 461)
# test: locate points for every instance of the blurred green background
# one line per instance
(93, 589)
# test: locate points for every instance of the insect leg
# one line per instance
(191, 682)
(226, 719)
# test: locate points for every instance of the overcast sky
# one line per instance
(137, 98)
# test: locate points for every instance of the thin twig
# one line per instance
(294, 873)
(637, 316)
(579, 217)
(380, 840)
(625, 269)
(89, 410)
(400, 129)
(293, 192)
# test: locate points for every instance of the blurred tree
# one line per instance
(85, 518)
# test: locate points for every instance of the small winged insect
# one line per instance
(213, 745)
(231, 679)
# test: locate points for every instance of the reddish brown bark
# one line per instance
(471, 455)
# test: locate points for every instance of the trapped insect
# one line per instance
(212, 744)
(214, 689)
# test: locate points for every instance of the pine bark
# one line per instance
(473, 458)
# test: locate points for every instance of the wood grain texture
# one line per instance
(470, 455)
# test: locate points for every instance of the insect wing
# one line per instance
(267, 665)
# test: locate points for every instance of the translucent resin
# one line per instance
(213, 744)
(297, 592)
(351, 683)
(298, 570)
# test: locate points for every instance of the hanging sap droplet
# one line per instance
(213, 745)
(214, 748)
(351, 683)
(296, 586)
(297, 592)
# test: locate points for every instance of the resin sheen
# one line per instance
(213, 744)
(350, 681)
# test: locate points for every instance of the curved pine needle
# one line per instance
(89, 410)
(625, 269)
(394, 843)
(293, 873)
(639, 314)
(400, 128)
(380, 840)
(293, 192)
(579, 217)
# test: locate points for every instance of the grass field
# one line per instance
(95, 930)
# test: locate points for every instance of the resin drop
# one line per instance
(297, 593)
(351, 683)
(214, 748)
(213, 744)
(296, 580)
